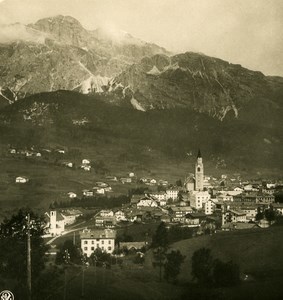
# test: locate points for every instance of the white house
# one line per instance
(162, 202)
(86, 167)
(152, 181)
(99, 238)
(126, 180)
(224, 197)
(250, 212)
(101, 184)
(100, 191)
(70, 215)
(198, 198)
(61, 151)
(270, 185)
(172, 194)
(178, 213)
(88, 193)
(85, 161)
(163, 182)
(143, 180)
(147, 203)
(55, 223)
(209, 206)
(106, 213)
(238, 189)
(120, 215)
(237, 216)
(29, 153)
(250, 188)
(159, 195)
(22, 179)
(111, 178)
(278, 207)
(131, 174)
(69, 165)
(72, 195)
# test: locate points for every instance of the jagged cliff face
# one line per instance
(199, 82)
(58, 53)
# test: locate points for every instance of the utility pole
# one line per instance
(65, 284)
(28, 258)
(83, 283)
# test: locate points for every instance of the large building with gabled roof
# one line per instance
(103, 239)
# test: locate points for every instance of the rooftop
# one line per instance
(98, 233)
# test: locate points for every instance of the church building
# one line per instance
(195, 182)
(199, 175)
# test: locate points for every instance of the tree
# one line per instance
(208, 271)
(202, 266)
(159, 255)
(160, 238)
(279, 196)
(260, 215)
(173, 265)
(160, 243)
(179, 183)
(99, 257)
(69, 253)
(13, 250)
(270, 214)
(225, 274)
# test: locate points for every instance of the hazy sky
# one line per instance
(248, 32)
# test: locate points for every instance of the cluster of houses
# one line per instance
(100, 188)
(192, 205)
(34, 152)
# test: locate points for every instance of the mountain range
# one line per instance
(235, 107)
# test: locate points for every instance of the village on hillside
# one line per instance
(201, 203)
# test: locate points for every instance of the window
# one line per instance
(198, 169)
(109, 248)
(102, 242)
(92, 248)
(85, 248)
(85, 242)
(92, 242)
(109, 242)
(102, 248)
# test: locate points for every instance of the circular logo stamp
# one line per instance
(6, 295)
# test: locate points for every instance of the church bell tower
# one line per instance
(199, 173)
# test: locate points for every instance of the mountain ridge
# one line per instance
(56, 53)
(131, 71)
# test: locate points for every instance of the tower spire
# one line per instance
(199, 154)
(199, 173)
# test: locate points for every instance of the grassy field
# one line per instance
(126, 283)
(50, 182)
(258, 252)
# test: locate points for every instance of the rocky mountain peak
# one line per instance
(64, 29)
